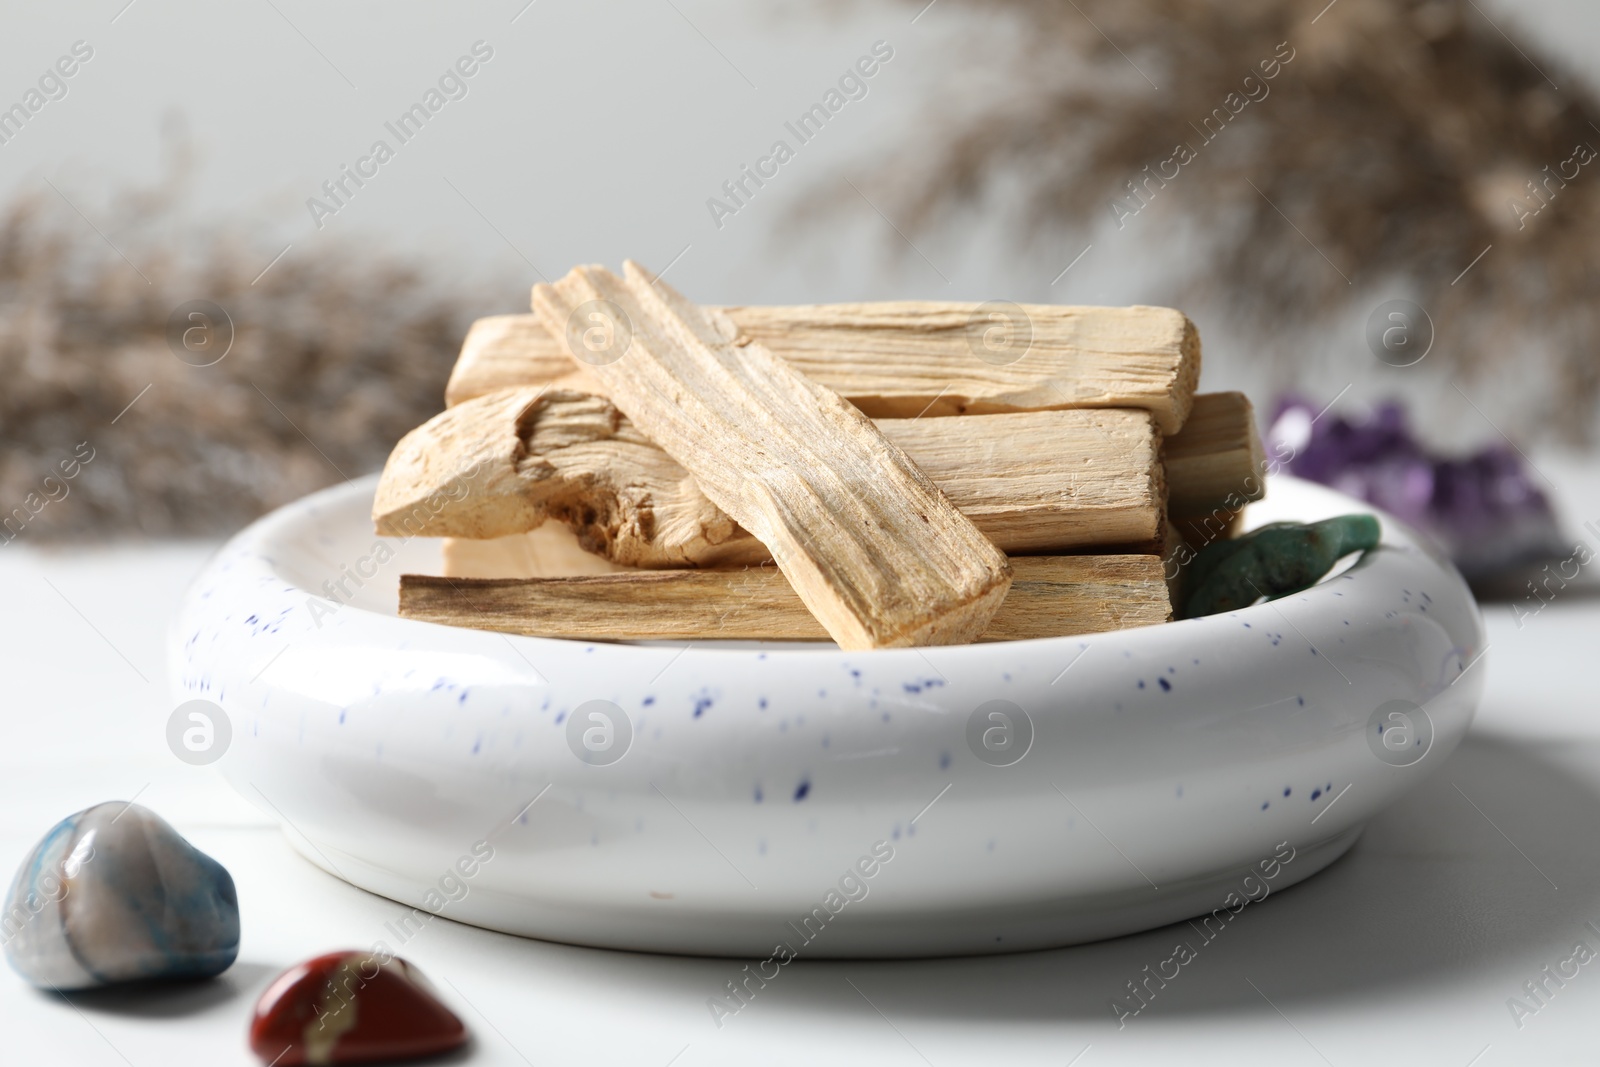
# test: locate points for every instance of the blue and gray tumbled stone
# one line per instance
(114, 894)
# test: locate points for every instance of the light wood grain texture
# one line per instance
(1050, 596)
(1216, 464)
(909, 358)
(551, 551)
(877, 553)
(1045, 481)
(1042, 481)
(506, 351)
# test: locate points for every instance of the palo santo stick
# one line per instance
(910, 358)
(1041, 481)
(1050, 596)
(508, 351)
(875, 551)
(1045, 481)
(1216, 464)
(551, 551)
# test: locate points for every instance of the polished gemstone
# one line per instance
(1272, 562)
(351, 1007)
(114, 894)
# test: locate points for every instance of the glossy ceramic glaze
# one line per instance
(832, 802)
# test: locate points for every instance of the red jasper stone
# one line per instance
(351, 1007)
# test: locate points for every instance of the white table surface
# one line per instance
(1405, 951)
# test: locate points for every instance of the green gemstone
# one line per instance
(1273, 562)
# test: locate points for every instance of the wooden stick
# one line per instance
(511, 351)
(1050, 596)
(910, 358)
(551, 551)
(1215, 466)
(1042, 481)
(872, 547)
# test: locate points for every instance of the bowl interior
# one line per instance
(323, 546)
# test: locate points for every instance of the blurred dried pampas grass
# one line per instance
(1397, 140)
(339, 349)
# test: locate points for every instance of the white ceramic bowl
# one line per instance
(1165, 763)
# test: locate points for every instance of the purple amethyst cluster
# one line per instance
(1483, 509)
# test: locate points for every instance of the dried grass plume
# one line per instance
(1403, 138)
(338, 350)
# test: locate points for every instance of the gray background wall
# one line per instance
(597, 131)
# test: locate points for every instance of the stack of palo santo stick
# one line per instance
(625, 464)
